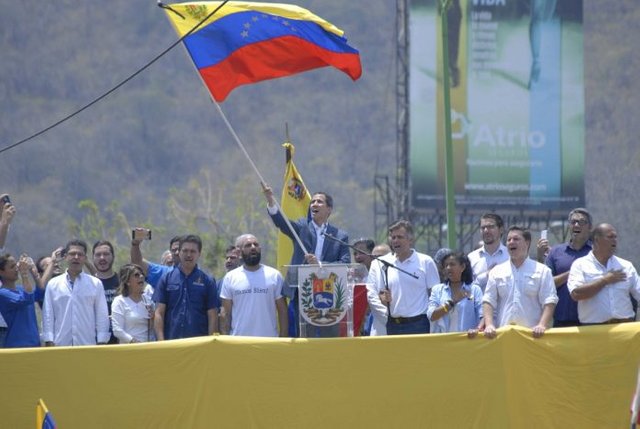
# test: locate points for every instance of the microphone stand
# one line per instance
(385, 266)
(384, 263)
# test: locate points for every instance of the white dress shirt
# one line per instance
(612, 302)
(319, 239)
(482, 261)
(409, 296)
(518, 295)
(75, 314)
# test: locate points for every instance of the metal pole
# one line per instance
(449, 183)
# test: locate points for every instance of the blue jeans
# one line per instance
(418, 327)
(3, 335)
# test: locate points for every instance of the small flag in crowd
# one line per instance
(44, 420)
(248, 42)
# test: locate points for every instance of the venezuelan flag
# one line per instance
(247, 42)
(44, 420)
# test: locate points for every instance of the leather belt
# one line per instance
(404, 320)
(610, 321)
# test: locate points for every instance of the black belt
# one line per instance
(612, 321)
(3, 329)
(404, 320)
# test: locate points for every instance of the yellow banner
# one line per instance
(294, 204)
(572, 377)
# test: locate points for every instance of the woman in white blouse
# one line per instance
(132, 310)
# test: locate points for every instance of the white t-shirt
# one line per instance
(253, 295)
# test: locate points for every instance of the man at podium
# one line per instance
(323, 241)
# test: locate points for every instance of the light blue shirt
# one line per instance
(465, 315)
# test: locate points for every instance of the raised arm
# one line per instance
(23, 268)
(136, 254)
(6, 216)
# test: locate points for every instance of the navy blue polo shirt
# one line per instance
(188, 298)
(559, 260)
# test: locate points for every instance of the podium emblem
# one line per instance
(323, 295)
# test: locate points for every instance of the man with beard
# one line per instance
(492, 252)
(602, 282)
(103, 256)
(75, 309)
(519, 291)
(561, 258)
(187, 301)
(252, 295)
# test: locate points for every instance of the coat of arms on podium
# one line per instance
(323, 294)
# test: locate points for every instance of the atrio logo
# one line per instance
(485, 135)
(500, 137)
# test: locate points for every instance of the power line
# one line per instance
(122, 83)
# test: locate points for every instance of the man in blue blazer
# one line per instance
(313, 234)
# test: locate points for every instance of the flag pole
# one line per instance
(235, 135)
(253, 165)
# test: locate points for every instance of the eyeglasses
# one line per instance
(580, 222)
(483, 227)
(138, 274)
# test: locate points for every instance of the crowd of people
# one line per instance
(580, 282)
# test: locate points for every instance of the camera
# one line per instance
(141, 234)
(6, 200)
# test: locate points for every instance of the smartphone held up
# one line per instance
(140, 234)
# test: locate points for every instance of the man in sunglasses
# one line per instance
(561, 257)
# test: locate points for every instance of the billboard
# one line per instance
(517, 103)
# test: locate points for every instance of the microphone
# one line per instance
(331, 237)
